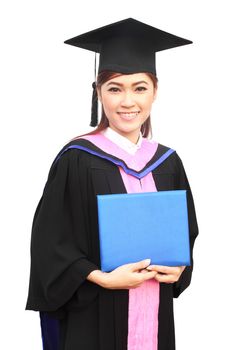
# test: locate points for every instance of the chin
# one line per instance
(128, 129)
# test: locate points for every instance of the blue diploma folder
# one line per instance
(138, 226)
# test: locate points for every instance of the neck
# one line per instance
(132, 136)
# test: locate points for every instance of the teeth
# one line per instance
(129, 114)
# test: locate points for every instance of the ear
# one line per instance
(99, 95)
(155, 93)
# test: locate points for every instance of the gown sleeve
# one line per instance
(185, 278)
(59, 240)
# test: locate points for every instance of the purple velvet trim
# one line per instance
(117, 162)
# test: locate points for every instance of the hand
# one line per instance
(167, 274)
(128, 276)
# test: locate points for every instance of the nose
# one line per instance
(127, 100)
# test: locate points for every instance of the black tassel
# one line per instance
(94, 107)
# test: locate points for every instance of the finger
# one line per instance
(165, 269)
(140, 264)
(149, 275)
(165, 278)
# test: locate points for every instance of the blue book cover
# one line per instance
(137, 226)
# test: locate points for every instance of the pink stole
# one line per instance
(143, 300)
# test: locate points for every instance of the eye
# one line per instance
(141, 88)
(113, 89)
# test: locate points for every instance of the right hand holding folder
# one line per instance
(129, 275)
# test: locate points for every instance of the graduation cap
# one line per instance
(127, 46)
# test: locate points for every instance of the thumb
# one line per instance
(141, 264)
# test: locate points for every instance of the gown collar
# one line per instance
(122, 141)
(150, 155)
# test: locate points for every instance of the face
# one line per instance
(127, 102)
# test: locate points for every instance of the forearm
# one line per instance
(99, 277)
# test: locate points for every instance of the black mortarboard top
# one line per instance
(127, 46)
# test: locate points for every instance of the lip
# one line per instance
(125, 112)
(125, 115)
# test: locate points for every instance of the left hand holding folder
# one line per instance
(167, 274)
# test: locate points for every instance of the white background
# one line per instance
(45, 101)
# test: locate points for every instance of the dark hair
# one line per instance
(103, 77)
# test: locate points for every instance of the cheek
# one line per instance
(147, 102)
(146, 99)
(110, 104)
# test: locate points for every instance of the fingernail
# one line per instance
(149, 268)
(147, 261)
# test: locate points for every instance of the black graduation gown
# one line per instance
(77, 314)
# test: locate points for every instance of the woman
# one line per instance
(131, 307)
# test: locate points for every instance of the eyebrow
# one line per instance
(138, 82)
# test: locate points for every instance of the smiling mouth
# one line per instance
(128, 115)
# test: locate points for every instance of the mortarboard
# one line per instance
(127, 46)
